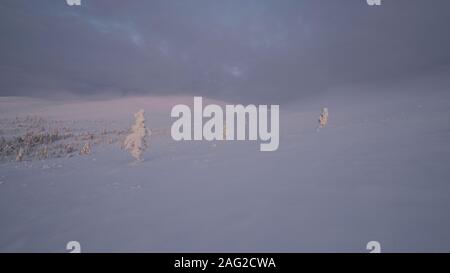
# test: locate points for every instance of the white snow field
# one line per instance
(380, 171)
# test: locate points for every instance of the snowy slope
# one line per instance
(379, 172)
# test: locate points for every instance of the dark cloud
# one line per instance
(233, 49)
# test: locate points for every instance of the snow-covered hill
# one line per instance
(379, 172)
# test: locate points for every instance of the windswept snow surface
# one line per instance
(378, 172)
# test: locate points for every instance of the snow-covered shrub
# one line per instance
(86, 149)
(43, 153)
(33, 138)
(68, 149)
(323, 119)
(136, 142)
(20, 154)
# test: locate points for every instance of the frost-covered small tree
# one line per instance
(323, 119)
(136, 142)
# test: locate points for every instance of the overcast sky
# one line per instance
(275, 50)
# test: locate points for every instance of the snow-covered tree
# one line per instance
(323, 119)
(136, 142)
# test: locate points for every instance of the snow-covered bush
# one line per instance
(86, 149)
(136, 142)
(33, 138)
(20, 154)
(43, 153)
(323, 119)
(69, 149)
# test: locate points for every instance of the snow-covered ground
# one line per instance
(378, 172)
